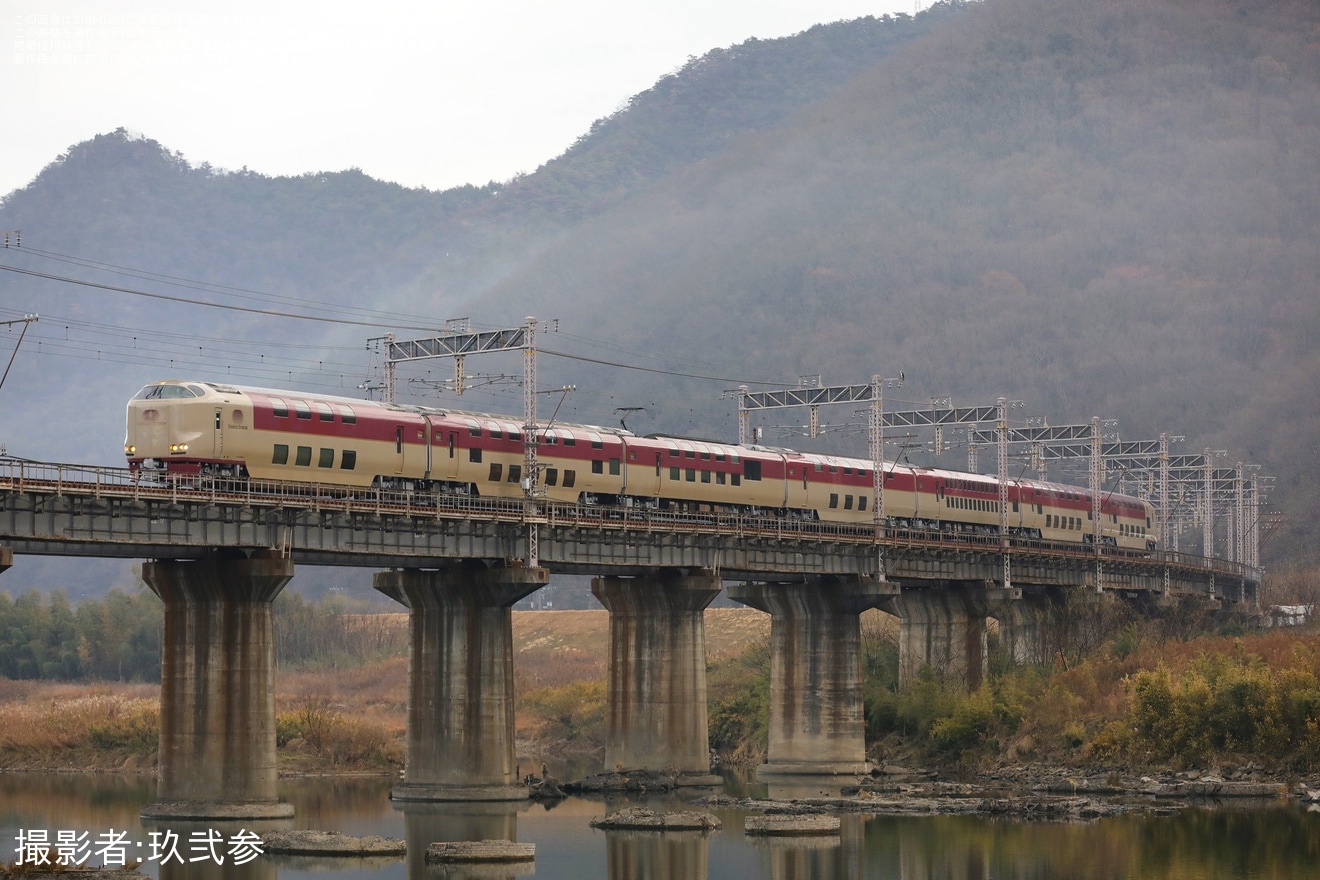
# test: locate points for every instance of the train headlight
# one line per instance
(129, 450)
(178, 447)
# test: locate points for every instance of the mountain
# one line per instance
(1098, 209)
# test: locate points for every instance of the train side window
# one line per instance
(752, 470)
(569, 439)
(598, 467)
(819, 467)
(834, 500)
(473, 428)
(279, 407)
(735, 479)
(348, 461)
(1015, 505)
(861, 502)
(551, 476)
(690, 474)
(324, 413)
(493, 429)
(614, 467)
(474, 454)
(514, 433)
(847, 502)
(705, 476)
(596, 442)
(570, 477)
(281, 455)
(326, 458)
(720, 478)
(304, 458)
(496, 472)
(674, 474)
(347, 416)
(304, 411)
(515, 473)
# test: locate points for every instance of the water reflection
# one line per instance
(1276, 840)
(657, 855)
(428, 823)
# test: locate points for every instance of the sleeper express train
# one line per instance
(193, 431)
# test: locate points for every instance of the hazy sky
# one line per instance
(428, 94)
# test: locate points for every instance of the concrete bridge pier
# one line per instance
(460, 680)
(1023, 618)
(217, 698)
(943, 627)
(817, 725)
(657, 687)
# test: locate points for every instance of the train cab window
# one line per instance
(474, 429)
(493, 429)
(348, 461)
(752, 470)
(347, 416)
(614, 467)
(496, 472)
(551, 476)
(674, 474)
(281, 455)
(279, 407)
(847, 502)
(474, 454)
(515, 473)
(570, 477)
(304, 411)
(304, 458)
(705, 476)
(326, 458)
(691, 475)
(861, 502)
(324, 413)
(834, 500)
(197, 390)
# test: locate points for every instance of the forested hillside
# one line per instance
(1096, 208)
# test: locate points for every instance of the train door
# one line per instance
(398, 449)
(218, 436)
(449, 452)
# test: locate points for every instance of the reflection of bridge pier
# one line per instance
(811, 857)
(657, 687)
(428, 823)
(217, 699)
(657, 855)
(460, 680)
(816, 721)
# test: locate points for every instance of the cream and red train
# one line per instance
(189, 430)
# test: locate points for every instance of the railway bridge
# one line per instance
(219, 553)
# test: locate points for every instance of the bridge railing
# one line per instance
(68, 479)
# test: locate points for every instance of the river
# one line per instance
(1265, 840)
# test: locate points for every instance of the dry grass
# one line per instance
(329, 718)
